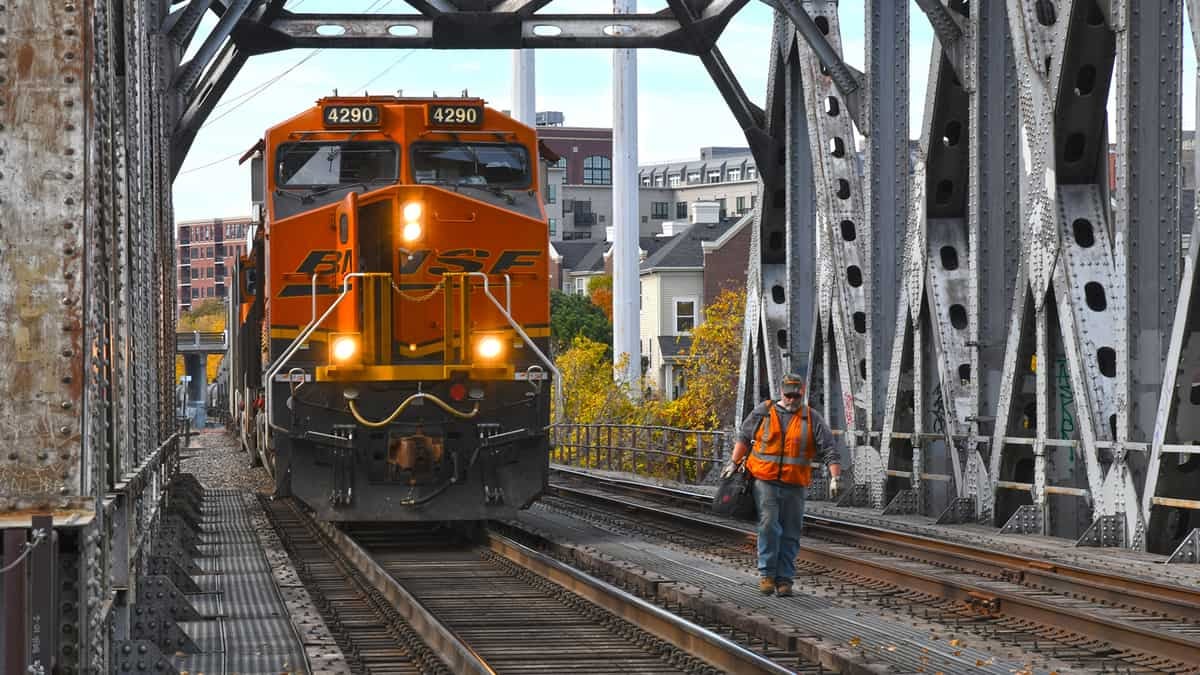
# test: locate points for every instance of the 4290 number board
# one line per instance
(351, 115)
(455, 115)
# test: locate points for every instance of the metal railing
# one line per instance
(689, 456)
(200, 341)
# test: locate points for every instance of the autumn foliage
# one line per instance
(710, 371)
(600, 291)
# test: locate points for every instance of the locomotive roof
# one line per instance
(402, 100)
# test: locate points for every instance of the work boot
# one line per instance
(766, 585)
(783, 589)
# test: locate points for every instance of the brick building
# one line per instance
(205, 253)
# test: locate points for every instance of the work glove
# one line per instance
(835, 486)
(729, 470)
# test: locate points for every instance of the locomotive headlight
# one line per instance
(411, 231)
(345, 348)
(489, 347)
(412, 211)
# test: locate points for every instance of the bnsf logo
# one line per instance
(410, 263)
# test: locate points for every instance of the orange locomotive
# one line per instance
(394, 311)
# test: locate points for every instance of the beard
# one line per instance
(792, 404)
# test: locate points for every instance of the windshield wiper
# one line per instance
(366, 185)
(493, 189)
(303, 199)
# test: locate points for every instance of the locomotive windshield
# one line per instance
(490, 164)
(326, 163)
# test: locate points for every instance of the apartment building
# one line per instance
(204, 254)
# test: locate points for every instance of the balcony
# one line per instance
(584, 219)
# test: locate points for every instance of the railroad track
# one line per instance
(400, 600)
(1076, 615)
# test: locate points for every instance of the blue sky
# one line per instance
(679, 108)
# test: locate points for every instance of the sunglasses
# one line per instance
(791, 394)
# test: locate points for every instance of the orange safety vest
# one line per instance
(784, 457)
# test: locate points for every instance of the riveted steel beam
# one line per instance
(200, 106)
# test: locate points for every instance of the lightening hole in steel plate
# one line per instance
(854, 275)
(1106, 358)
(781, 338)
(958, 316)
(546, 30)
(1095, 296)
(860, 322)
(836, 147)
(952, 134)
(945, 190)
(403, 30)
(1112, 425)
(1073, 148)
(1046, 13)
(964, 373)
(331, 30)
(618, 29)
(843, 191)
(777, 294)
(824, 70)
(862, 368)
(1095, 16)
(775, 240)
(822, 25)
(848, 232)
(831, 106)
(1085, 80)
(1085, 234)
(949, 256)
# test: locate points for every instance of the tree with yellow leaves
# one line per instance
(710, 370)
(600, 291)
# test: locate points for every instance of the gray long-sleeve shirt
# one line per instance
(826, 449)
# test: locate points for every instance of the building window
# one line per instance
(561, 163)
(568, 205)
(195, 273)
(660, 210)
(681, 210)
(551, 193)
(714, 176)
(553, 226)
(685, 315)
(658, 180)
(645, 219)
(646, 181)
(195, 292)
(597, 170)
(741, 205)
(601, 217)
(581, 285)
(721, 205)
(751, 172)
(674, 180)
(735, 174)
(693, 177)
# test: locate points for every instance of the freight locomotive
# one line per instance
(391, 316)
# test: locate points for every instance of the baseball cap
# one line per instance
(792, 383)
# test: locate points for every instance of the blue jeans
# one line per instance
(780, 520)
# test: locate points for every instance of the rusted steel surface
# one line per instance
(43, 106)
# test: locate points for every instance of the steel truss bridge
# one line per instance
(999, 335)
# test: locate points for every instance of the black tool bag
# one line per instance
(735, 496)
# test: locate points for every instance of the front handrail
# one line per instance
(558, 391)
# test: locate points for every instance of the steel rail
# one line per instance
(457, 655)
(695, 640)
(1153, 597)
(989, 601)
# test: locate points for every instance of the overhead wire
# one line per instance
(248, 95)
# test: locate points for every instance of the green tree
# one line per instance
(575, 315)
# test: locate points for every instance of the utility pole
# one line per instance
(626, 294)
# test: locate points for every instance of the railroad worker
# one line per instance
(787, 435)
